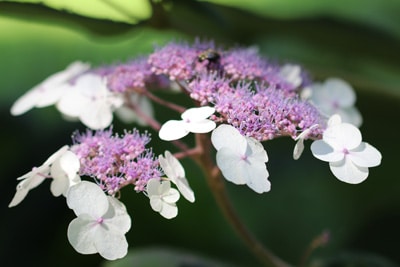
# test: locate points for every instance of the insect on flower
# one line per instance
(210, 54)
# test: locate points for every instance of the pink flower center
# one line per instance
(100, 220)
(345, 151)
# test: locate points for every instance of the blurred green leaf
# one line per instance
(115, 10)
(52, 47)
(383, 14)
(164, 257)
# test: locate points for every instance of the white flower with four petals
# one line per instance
(89, 100)
(49, 91)
(62, 166)
(163, 198)
(349, 158)
(194, 120)
(241, 159)
(101, 224)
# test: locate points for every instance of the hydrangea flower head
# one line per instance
(116, 161)
(62, 166)
(241, 159)
(349, 158)
(101, 222)
(194, 120)
(50, 90)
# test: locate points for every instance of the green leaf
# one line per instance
(383, 14)
(164, 257)
(32, 51)
(116, 10)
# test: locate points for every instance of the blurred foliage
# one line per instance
(356, 40)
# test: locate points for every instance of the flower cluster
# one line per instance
(241, 97)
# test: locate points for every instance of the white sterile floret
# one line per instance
(176, 174)
(299, 147)
(49, 91)
(127, 115)
(62, 166)
(349, 158)
(292, 74)
(241, 159)
(163, 198)
(336, 96)
(90, 100)
(194, 120)
(101, 224)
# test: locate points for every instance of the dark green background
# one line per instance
(354, 40)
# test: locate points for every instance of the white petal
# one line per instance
(172, 130)
(334, 120)
(365, 156)
(169, 211)
(25, 102)
(171, 166)
(171, 196)
(204, 126)
(184, 188)
(110, 243)
(70, 164)
(72, 103)
(342, 136)
(197, 114)
(55, 155)
(52, 96)
(230, 164)
(87, 198)
(340, 92)
(351, 115)
(32, 180)
(152, 187)
(292, 74)
(81, 233)
(59, 186)
(348, 172)
(298, 149)
(49, 91)
(256, 150)
(322, 151)
(96, 115)
(176, 173)
(117, 215)
(228, 136)
(156, 203)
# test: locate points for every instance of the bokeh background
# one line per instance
(357, 40)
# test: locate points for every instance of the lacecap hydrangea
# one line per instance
(238, 100)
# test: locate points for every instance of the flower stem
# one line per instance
(216, 184)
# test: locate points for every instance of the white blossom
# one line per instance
(349, 158)
(90, 100)
(241, 159)
(176, 173)
(299, 147)
(101, 224)
(335, 96)
(292, 74)
(194, 120)
(62, 166)
(163, 198)
(127, 115)
(49, 91)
